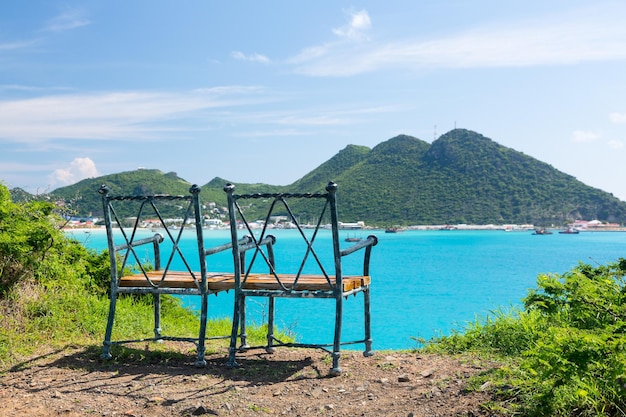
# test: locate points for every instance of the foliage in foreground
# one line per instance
(53, 291)
(565, 352)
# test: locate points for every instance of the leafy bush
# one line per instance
(26, 237)
(565, 353)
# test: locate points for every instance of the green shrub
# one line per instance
(564, 354)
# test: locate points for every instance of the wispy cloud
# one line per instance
(111, 115)
(68, 20)
(359, 23)
(255, 57)
(592, 34)
(617, 117)
(616, 144)
(585, 136)
(9, 46)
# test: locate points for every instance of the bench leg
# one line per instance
(200, 362)
(336, 369)
(232, 350)
(157, 316)
(243, 337)
(270, 326)
(368, 323)
(106, 349)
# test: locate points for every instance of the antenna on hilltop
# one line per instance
(435, 133)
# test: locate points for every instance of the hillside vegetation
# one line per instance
(462, 177)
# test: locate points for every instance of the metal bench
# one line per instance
(319, 275)
(166, 268)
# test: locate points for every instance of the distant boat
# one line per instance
(569, 231)
(392, 230)
(353, 239)
(542, 231)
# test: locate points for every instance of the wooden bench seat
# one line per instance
(219, 281)
(304, 283)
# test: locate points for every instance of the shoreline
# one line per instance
(459, 227)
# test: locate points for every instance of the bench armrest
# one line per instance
(155, 239)
(368, 244)
(225, 246)
(245, 243)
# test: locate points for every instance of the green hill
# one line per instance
(82, 198)
(462, 177)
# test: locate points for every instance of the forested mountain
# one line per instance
(462, 177)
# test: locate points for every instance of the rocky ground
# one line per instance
(291, 382)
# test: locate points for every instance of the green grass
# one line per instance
(35, 317)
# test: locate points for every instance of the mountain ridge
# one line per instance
(461, 177)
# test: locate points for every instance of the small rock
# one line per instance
(202, 410)
(404, 378)
(427, 372)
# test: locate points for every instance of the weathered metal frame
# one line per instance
(113, 222)
(334, 280)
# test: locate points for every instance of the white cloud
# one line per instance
(359, 23)
(68, 20)
(7, 46)
(78, 169)
(111, 115)
(251, 57)
(616, 144)
(586, 35)
(617, 117)
(582, 136)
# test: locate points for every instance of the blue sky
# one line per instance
(267, 91)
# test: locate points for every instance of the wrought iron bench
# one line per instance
(319, 275)
(184, 272)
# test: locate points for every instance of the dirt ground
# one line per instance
(291, 382)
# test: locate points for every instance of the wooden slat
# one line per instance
(219, 281)
(305, 282)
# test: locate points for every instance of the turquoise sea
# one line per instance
(424, 283)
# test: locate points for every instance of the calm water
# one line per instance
(424, 283)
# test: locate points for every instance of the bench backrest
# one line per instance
(124, 216)
(310, 215)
